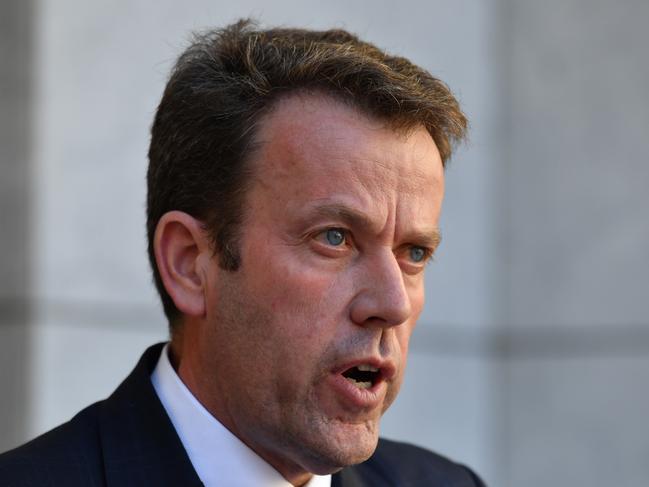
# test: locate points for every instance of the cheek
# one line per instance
(417, 302)
(403, 333)
(305, 300)
(417, 294)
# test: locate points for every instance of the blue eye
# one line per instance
(417, 254)
(335, 236)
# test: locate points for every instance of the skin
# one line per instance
(262, 348)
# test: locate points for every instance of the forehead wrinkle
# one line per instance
(377, 171)
(383, 178)
(282, 132)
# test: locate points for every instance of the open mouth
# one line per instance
(362, 376)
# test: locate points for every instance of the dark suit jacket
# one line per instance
(128, 440)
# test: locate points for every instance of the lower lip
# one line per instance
(355, 397)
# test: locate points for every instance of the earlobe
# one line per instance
(180, 246)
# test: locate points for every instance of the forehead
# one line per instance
(316, 135)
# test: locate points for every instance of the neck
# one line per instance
(186, 362)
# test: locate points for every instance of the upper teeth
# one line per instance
(367, 368)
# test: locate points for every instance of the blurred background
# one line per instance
(531, 360)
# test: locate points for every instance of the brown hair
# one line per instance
(228, 78)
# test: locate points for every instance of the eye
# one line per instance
(335, 236)
(418, 254)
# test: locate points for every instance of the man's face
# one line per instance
(306, 343)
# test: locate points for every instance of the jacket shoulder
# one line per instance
(67, 455)
(125, 440)
(403, 464)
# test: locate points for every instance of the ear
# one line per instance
(182, 253)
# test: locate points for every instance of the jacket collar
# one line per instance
(137, 436)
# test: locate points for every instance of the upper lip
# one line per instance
(387, 369)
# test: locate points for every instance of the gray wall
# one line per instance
(576, 242)
(16, 53)
(529, 360)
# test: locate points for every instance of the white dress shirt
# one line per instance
(218, 456)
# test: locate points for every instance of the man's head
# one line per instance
(222, 85)
(295, 188)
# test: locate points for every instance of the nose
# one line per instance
(382, 299)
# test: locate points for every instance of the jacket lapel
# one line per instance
(139, 444)
(348, 477)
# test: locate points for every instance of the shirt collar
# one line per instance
(218, 456)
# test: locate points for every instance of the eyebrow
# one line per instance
(426, 238)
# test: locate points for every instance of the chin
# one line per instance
(348, 445)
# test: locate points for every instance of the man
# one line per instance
(294, 190)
